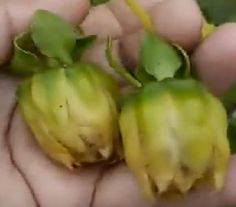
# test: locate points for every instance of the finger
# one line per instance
(13, 189)
(215, 59)
(53, 185)
(102, 22)
(228, 194)
(128, 21)
(113, 19)
(20, 12)
(178, 21)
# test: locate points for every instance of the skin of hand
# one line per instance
(28, 178)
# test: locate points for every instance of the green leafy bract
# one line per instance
(50, 42)
(158, 58)
(24, 62)
(53, 36)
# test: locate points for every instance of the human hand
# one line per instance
(28, 177)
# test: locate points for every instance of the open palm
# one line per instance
(28, 177)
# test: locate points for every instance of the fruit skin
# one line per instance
(174, 137)
(73, 113)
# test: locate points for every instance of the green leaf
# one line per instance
(218, 11)
(53, 36)
(159, 58)
(82, 44)
(98, 2)
(183, 72)
(25, 61)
